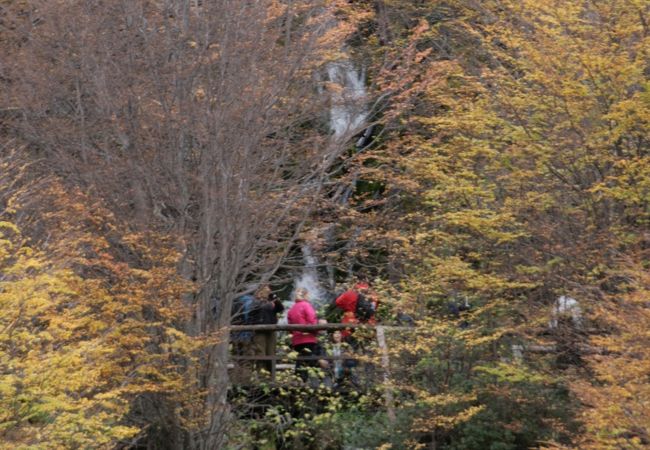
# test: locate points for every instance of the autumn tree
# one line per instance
(91, 326)
(586, 67)
(203, 120)
(510, 155)
(508, 167)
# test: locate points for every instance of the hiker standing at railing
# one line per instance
(243, 313)
(267, 308)
(359, 306)
(304, 342)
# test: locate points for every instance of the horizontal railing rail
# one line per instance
(321, 326)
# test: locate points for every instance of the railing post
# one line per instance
(385, 365)
(273, 353)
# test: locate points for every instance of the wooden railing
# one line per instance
(380, 336)
(379, 332)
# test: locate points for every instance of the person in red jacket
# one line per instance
(348, 301)
(304, 342)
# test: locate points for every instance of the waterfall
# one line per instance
(348, 109)
(309, 278)
(347, 116)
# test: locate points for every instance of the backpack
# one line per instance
(243, 310)
(365, 309)
(243, 313)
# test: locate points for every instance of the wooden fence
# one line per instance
(380, 337)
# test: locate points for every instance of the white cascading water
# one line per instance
(348, 114)
(348, 96)
(309, 279)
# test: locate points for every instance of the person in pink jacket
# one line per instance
(304, 342)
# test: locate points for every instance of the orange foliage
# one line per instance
(91, 318)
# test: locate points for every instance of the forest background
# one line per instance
(160, 158)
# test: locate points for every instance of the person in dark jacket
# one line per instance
(267, 308)
(243, 311)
